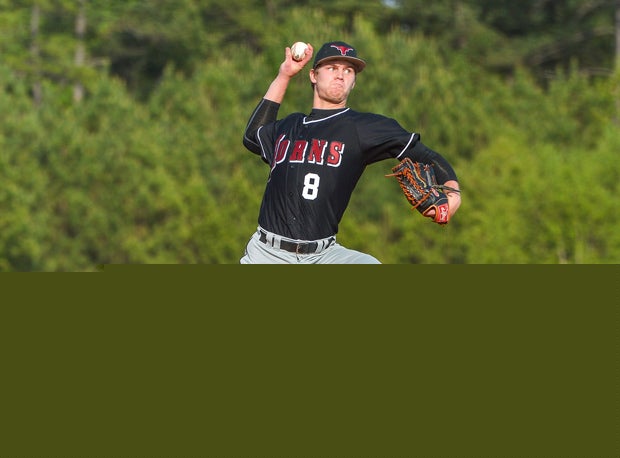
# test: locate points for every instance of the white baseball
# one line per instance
(299, 50)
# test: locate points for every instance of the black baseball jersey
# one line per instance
(316, 161)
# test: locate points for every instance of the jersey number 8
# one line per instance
(311, 186)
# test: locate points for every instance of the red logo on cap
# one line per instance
(343, 49)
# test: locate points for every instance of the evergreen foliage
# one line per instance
(149, 167)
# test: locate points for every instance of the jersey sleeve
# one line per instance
(385, 138)
(422, 153)
(265, 113)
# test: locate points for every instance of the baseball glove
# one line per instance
(419, 184)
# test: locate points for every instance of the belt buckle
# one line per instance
(306, 248)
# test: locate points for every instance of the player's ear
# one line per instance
(312, 77)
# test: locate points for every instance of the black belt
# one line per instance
(302, 247)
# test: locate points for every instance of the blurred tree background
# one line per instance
(121, 126)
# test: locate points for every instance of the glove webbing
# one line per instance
(407, 181)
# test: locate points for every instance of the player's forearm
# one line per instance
(443, 169)
(454, 198)
(278, 88)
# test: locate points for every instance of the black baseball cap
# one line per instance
(339, 50)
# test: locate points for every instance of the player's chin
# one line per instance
(337, 97)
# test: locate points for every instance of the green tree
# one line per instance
(23, 184)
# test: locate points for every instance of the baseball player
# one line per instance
(316, 160)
